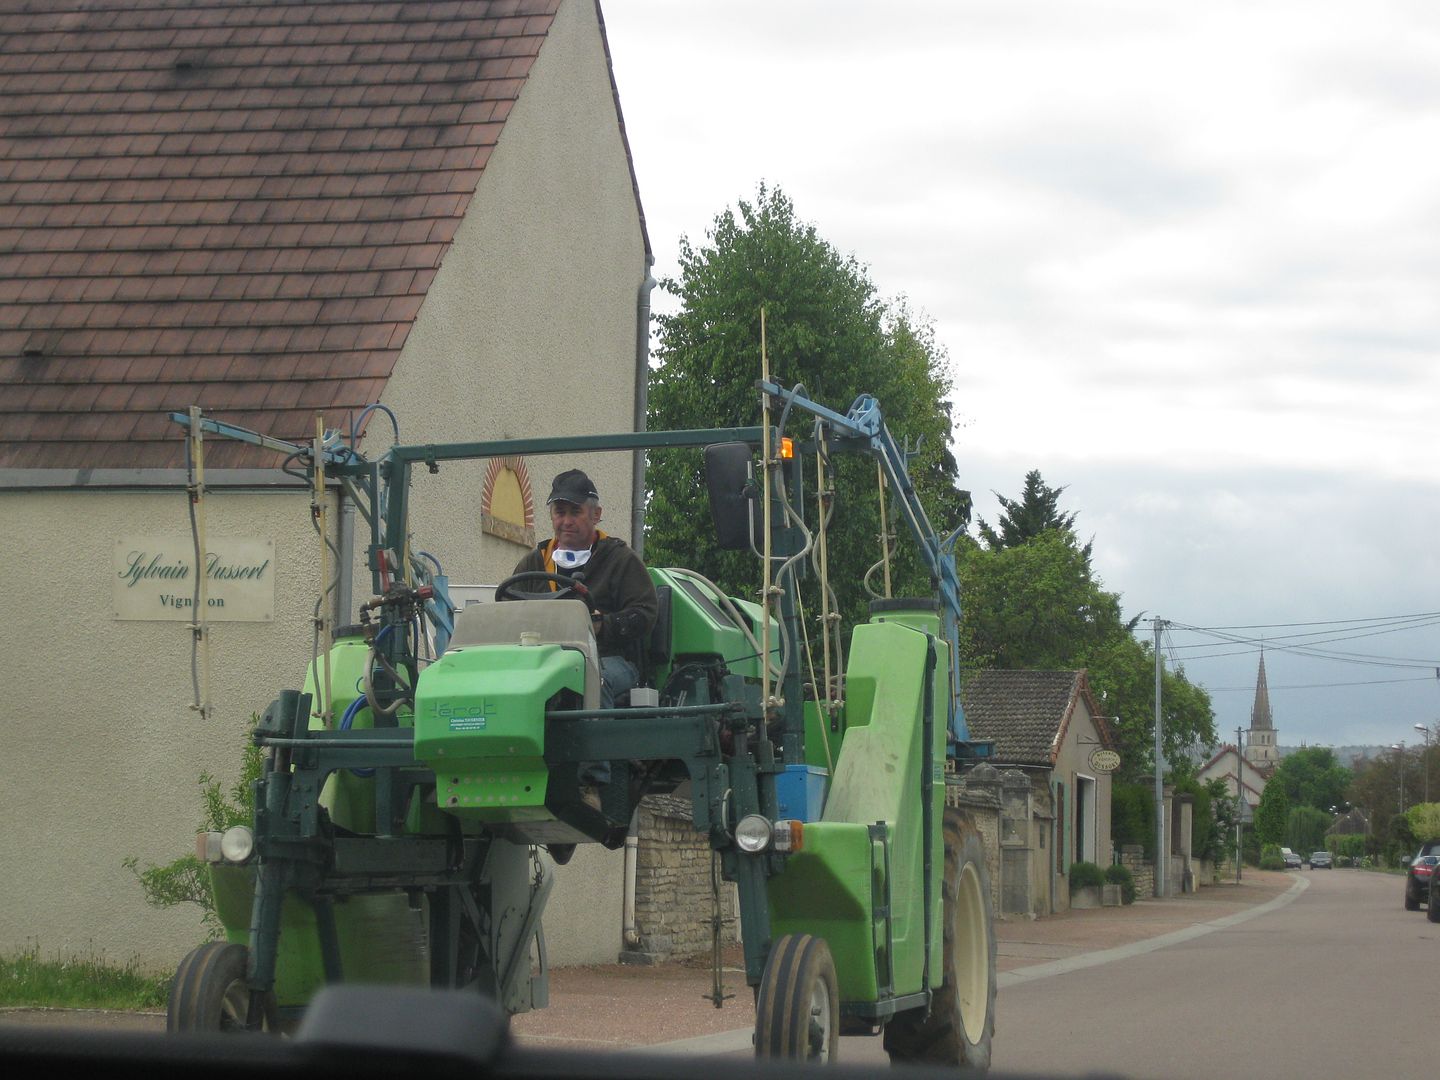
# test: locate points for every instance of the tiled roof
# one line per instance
(1024, 712)
(237, 203)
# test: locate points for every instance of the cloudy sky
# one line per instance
(1184, 261)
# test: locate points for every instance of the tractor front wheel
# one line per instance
(209, 992)
(797, 1010)
(961, 1023)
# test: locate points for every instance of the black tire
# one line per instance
(209, 992)
(961, 1023)
(1412, 902)
(797, 1008)
(1432, 906)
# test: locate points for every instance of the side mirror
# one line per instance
(730, 479)
(1405, 861)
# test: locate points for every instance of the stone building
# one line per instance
(1047, 727)
(274, 209)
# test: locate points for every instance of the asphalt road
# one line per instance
(1341, 981)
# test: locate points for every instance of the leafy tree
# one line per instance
(1312, 776)
(1122, 674)
(1036, 511)
(827, 329)
(1400, 839)
(1305, 829)
(1424, 821)
(1034, 605)
(1212, 815)
(1032, 601)
(1375, 790)
(1272, 814)
(1132, 815)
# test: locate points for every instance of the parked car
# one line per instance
(1292, 861)
(1320, 860)
(1418, 875)
(1432, 910)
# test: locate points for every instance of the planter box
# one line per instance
(1111, 895)
(1086, 897)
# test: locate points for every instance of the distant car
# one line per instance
(1320, 860)
(1292, 861)
(1418, 877)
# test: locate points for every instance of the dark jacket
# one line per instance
(620, 589)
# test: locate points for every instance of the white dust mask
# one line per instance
(566, 559)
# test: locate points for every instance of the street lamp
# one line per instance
(1399, 749)
(1426, 758)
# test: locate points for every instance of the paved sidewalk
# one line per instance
(619, 1006)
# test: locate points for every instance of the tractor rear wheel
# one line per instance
(209, 992)
(962, 1012)
(797, 1009)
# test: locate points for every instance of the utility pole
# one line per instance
(1159, 773)
(1425, 760)
(1399, 749)
(1239, 801)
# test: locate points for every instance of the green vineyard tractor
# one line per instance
(412, 782)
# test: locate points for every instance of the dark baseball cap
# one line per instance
(573, 486)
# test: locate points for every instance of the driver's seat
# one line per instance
(557, 622)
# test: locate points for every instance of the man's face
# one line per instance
(574, 525)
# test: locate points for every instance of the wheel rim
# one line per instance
(972, 954)
(234, 1006)
(819, 1049)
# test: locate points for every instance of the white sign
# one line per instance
(153, 578)
(1104, 761)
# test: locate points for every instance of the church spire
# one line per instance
(1262, 751)
(1260, 717)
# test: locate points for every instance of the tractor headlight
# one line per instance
(752, 834)
(237, 844)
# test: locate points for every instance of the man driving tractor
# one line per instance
(612, 581)
(616, 586)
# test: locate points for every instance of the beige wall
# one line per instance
(100, 753)
(529, 329)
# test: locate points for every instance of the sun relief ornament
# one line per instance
(507, 507)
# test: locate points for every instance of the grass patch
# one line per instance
(87, 981)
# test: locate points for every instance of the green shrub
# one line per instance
(1120, 875)
(1083, 874)
(187, 879)
(1349, 845)
(1132, 816)
(1272, 862)
(1424, 819)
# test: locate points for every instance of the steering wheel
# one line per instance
(569, 588)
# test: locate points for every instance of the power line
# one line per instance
(1309, 648)
(1322, 622)
(1313, 686)
(1311, 638)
